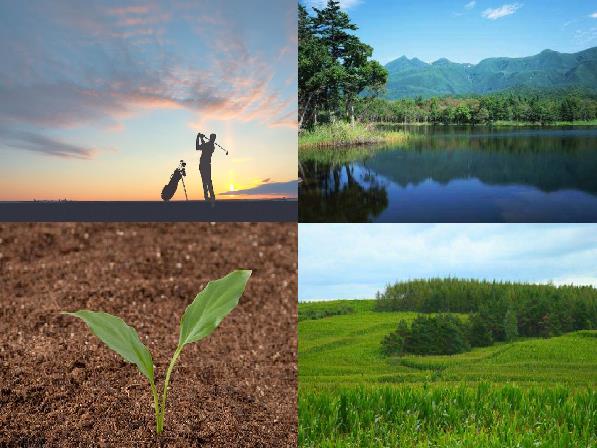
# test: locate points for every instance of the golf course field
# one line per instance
(530, 392)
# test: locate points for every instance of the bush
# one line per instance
(321, 313)
(437, 335)
(393, 343)
(479, 334)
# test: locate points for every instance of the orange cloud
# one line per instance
(135, 70)
(140, 9)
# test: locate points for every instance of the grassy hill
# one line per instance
(549, 69)
(531, 392)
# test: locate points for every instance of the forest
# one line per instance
(497, 311)
(524, 106)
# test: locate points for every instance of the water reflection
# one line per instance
(459, 174)
(338, 194)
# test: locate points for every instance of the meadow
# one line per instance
(527, 393)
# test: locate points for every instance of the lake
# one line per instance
(456, 174)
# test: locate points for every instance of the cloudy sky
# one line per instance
(346, 261)
(100, 99)
(471, 30)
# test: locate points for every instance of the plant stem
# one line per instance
(156, 405)
(168, 372)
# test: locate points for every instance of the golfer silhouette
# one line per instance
(207, 148)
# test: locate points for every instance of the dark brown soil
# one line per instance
(61, 386)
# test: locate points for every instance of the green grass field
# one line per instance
(528, 393)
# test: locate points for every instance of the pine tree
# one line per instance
(511, 325)
(337, 79)
(314, 65)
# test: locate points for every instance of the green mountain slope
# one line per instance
(345, 349)
(546, 70)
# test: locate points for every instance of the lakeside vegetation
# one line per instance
(345, 134)
(527, 392)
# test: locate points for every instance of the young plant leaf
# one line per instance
(121, 338)
(211, 305)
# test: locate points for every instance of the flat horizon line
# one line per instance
(62, 201)
(236, 210)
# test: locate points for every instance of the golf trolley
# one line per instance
(178, 175)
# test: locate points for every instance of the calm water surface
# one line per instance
(476, 174)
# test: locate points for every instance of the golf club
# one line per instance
(218, 145)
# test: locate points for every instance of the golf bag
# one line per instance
(178, 175)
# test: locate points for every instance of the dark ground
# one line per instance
(61, 386)
(231, 210)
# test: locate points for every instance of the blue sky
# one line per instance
(100, 99)
(468, 31)
(351, 261)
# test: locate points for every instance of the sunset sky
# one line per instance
(100, 100)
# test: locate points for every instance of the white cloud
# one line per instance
(594, 15)
(585, 37)
(470, 5)
(502, 11)
(344, 4)
(356, 260)
(349, 3)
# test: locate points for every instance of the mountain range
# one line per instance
(549, 69)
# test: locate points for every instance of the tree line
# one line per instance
(334, 66)
(528, 107)
(498, 311)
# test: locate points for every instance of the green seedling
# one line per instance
(199, 320)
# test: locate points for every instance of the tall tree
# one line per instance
(314, 65)
(333, 81)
